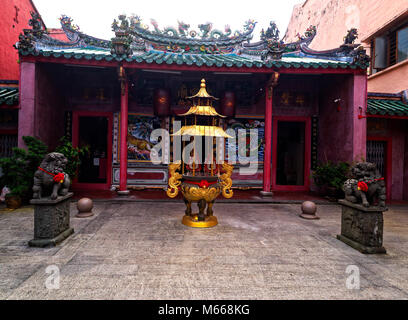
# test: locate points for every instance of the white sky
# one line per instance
(95, 17)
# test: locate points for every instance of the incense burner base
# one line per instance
(192, 221)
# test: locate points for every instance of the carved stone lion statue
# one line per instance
(366, 187)
(50, 178)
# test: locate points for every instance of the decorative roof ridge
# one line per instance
(6, 81)
(401, 97)
(74, 34)
(181, 35)
(348, 51)
(387, 107)
(47, 41)
(384, 95)
(307, 38)
(270, 47)
(344, 48)
(232, 54)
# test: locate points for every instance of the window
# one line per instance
(389, 49)
(380, 56)
(402, 47)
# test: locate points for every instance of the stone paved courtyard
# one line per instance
(140, 250)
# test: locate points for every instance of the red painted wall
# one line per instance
(335, 127)
(14, 16)
(397, 131)
(49, 102)
(405, 190)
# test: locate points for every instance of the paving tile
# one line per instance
(258, 251)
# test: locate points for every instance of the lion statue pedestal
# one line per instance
(362, 209)
(51, 201)
(51, 221)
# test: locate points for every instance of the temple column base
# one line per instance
(123, 192)
(266, 194)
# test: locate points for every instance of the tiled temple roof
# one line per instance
(225, 60)
(134, 42)
(387, 107)
(8, 96)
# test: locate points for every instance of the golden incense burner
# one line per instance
(199, 178)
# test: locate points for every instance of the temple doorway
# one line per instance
(93, 130)
(291, 154)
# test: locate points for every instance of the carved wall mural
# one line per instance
(138, 137)
(258, 125)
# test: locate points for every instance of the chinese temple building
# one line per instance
(306, 106)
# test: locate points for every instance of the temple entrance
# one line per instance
(94, 131)
(291, 154)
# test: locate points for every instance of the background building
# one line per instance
(14, 17)
(383, 30)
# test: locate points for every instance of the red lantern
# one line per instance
(228, 104)
(161, 102)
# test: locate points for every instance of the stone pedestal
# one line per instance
(51, 221)
(361, 227)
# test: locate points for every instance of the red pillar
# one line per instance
(268, 135)
(26, 114)
(123, 132)
(359, 125)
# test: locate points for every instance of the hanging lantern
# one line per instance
(228, 104)
(161, 102)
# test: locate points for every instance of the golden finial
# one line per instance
(202, 93)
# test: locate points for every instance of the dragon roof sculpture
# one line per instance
(205, 34)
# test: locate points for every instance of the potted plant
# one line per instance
(329, 177)
(73, 155)
(15, 178)
(18, 171)
(14, 199)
